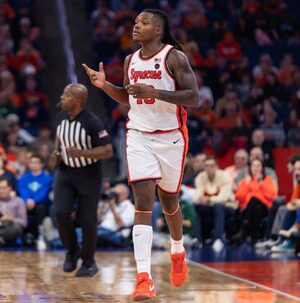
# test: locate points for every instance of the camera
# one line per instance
(109, 195)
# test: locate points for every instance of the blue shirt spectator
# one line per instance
(35, 184)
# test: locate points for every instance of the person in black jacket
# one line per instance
(81, 142)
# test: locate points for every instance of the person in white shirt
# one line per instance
(213, 192)
(115, 215)
(241, 158)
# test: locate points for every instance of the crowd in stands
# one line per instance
(238, 92)
(251, 107)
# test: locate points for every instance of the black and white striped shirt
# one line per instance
(85, 131)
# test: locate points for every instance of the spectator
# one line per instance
(274, 132)
(262, 37)
(278, 218)
(257, 153)
(291, 221)
(27, 57)
(116, 216)
(255, 194)
(34, 188)
(22, 137)
(230, 94)
(206, 98)
(241, 158)
(13, 216)
(33, 112)
(6, 105)
(213, 192)
(286, 70)
(231, 117)
(193, 54)
(271, 87)
(293, 135)
(161, 238)
(44, 137)
(229, 48)
(8, 92)
(197, 166)
(4, 172)
(260, 71)
(258, 140)
(244, 87)
(21, 160)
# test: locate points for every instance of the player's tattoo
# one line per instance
(187, 94)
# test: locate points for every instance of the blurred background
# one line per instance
(245, 55)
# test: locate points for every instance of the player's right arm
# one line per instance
(98, 79)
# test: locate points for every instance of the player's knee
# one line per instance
(171, 209)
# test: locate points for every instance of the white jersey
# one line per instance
(151, 115)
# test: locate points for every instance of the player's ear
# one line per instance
(159, 30)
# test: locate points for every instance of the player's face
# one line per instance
(146, 28)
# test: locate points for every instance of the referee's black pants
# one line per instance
(81, 186)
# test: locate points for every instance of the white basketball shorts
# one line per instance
(157, 156)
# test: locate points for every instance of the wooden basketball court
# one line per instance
(31, 277)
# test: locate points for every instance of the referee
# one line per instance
(81, 141)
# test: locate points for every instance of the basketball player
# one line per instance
(158, 81)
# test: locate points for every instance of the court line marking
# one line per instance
(216, 271)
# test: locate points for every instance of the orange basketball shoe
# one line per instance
(179, 270)
(144, 287)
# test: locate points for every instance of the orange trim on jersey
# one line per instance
(175, 84)
(146, 59)
(178, 116)
(173, 213)
(143, 179)
(181, 116)
(178, 107)
(127, 166)
(166, 191)
(155, 132)
(136, 211)
(174, 80)
(128, 68)
(162, 131)
(185, 136)
(167, 68)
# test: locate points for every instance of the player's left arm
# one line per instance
(187, 93)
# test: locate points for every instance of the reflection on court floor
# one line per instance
(37, 277)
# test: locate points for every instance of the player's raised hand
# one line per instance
(97, 77)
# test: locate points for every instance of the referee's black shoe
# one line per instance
(87, 269)
(70, 263)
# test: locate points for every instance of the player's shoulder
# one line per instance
(176, 54)
(128, 57)
(131, 55)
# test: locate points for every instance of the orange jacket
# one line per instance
(264, 191)
(296, 192)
